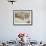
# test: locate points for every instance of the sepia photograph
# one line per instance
(22, 16)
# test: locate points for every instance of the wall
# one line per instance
(38, 29)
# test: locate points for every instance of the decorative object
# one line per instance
(21, 17)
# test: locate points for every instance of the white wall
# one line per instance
(38, 30)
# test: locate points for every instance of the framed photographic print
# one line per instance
(22, 17)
